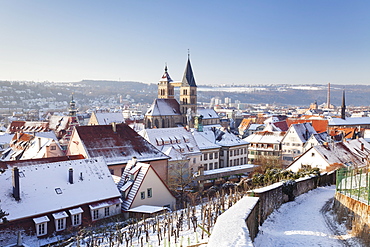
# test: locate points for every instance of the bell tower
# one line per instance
(188, 91)
(165, 88)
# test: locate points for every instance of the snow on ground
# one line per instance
(300, 223)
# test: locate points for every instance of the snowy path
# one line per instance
(300, 223)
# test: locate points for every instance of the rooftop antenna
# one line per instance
(188, 53)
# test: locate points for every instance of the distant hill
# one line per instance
(16, 94)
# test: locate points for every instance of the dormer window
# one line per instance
(166, 141)
(159, 142)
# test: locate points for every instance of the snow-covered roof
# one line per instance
(228, 169)
(204, 142)
(172, 138)
(321, 137)
(164, 107)
(117, 147)
(265, 137)
(146, 209)
(255, 126)
(132, 185)
(207, 113)
(45, 188)
(225, 138)
(303, 130)
(26, 146)
(58, 123)
(353, 152)
(349, 121)
(104, 118)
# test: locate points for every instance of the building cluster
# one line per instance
(66, 172)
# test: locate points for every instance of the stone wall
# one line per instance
(354, 214)
(255, 209)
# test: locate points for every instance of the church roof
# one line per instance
(188, 78)
(166, 76)
(164, 107)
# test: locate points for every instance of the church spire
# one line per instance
(188, 78)
(166, 76)
(343, 110)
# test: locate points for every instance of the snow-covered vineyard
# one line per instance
(191, 226)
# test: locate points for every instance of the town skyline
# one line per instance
(244, 42)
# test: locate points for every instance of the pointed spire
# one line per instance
(166, 76)
(343, 110)
(188, 78)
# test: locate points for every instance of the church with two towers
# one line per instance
(166, 111)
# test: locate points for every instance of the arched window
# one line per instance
(156, 123)
(149, 124)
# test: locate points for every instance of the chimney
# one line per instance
(70, 175)
(39, 141)
(328, 99)
(134, 160)
(114, 127)
(343, 109)
(16, 186)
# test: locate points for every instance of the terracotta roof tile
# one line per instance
(117, 147)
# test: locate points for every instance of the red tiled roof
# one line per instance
(5, 164)
(119, 146)
(27, 126)
(282, 125)
(318, 124)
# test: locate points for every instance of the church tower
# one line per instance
(72, 108)
(165, 88)
(188, 93)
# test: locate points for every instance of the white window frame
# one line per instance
(44, 227)
(60, 224)
(95, 214)
(106, 211)
(41, 225)
(76, 220)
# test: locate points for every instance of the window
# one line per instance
(216, 155)
(210, 166)
(111, 171)
(142, 194)
(149, 192)
(60, 224)
(96, 214)
(76, 219)
(53, 148)
(216, 165)
(210, 156)
(231, 152)
(205, 156)
(106, 211)
(313, 154)
(41, 229)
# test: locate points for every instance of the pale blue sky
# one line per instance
(240, 42)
